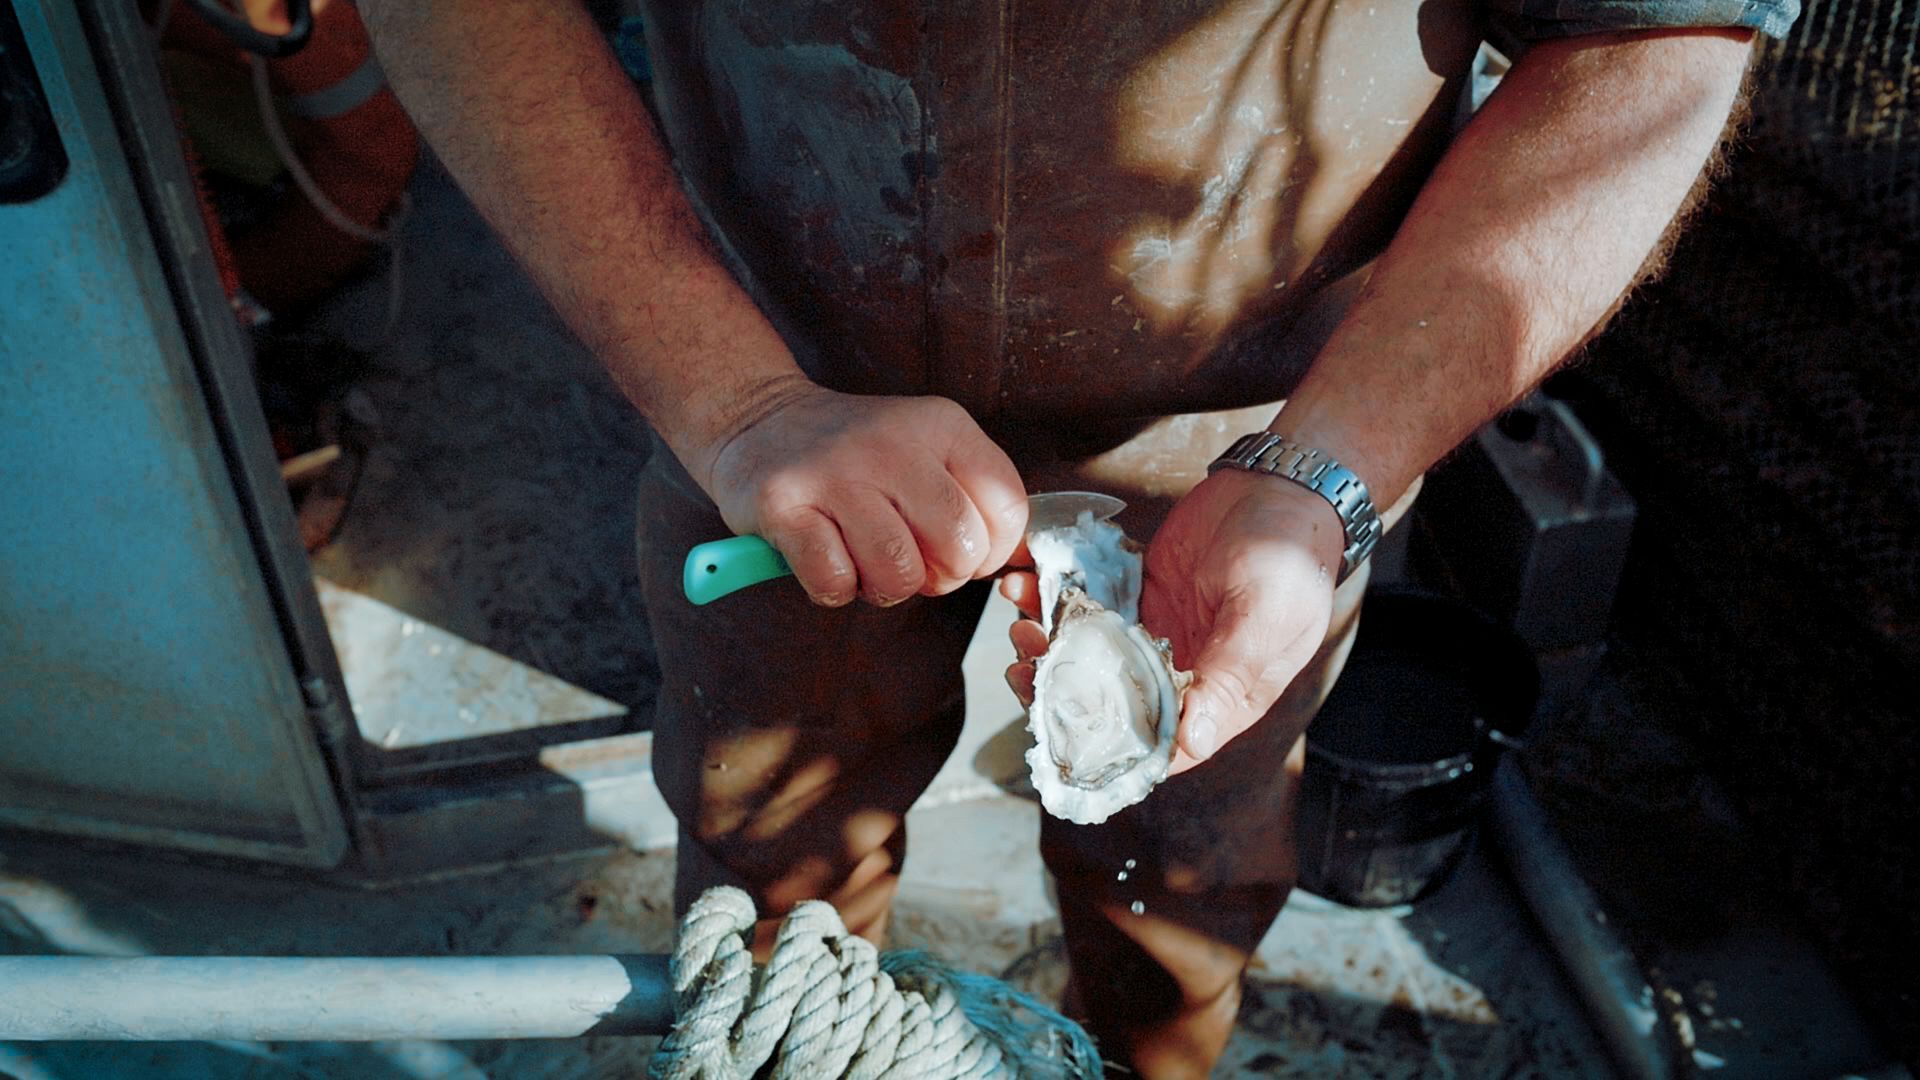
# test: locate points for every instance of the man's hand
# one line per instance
(880, 497)
(1240, 579)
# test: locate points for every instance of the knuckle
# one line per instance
(813, 546)
(778, 523)
(1233, 688)
(1268, 683)
(953, 499)
(785, 494)
(961, 552)
(1008, 519)
(820, 563)
(897, 551)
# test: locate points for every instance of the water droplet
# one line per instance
(1138, 908)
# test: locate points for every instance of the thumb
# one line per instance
(1241, 670)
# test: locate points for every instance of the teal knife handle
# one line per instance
(726, 566)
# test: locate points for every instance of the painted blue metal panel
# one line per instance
(146, 689)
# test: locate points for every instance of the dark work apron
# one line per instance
(1070, 210)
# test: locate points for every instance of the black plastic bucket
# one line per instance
(1400, 758)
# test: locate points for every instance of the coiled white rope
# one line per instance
(824, 1006)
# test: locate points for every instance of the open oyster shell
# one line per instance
(1106, 697)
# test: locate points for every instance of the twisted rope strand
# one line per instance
(825, 1007)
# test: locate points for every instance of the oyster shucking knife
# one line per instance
(715, 569)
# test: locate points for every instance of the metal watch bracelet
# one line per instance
(1265, 452)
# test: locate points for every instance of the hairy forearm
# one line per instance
(1537, 220)
(527, 107)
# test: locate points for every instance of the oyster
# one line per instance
(1106, 697)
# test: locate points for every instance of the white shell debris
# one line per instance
(1106, 697)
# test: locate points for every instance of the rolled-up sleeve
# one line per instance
(1537, 20)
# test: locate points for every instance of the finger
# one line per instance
(1023, 588)
(947, 526)
(1029, 641)
(1249, 658)
(993, 484)
(884, 551)
(1020, 681)
(811, 544)
(1182, 761)
(1021, 556)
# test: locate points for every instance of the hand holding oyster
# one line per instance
(1106, 697)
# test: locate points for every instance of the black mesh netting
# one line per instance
(1763, 402)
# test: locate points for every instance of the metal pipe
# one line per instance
(1605, 975)
(346, 999)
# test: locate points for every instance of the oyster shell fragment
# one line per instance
(1106, 697)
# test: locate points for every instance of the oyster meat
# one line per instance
(1106, 697)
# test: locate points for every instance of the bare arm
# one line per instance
(547, 136)
(1536, 221)
(525, 103)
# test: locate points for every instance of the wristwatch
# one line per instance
(1265, 452)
